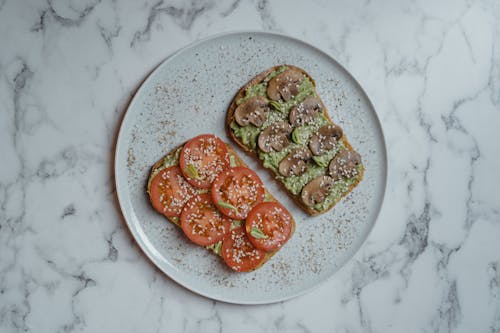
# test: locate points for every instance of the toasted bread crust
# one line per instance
(230, 117)
(239, 162)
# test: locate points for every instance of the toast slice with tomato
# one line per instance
(219, 203)
(279, 118)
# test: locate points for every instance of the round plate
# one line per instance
(187, 95)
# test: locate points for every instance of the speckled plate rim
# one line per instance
(140, 237)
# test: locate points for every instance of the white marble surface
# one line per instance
(67, 71)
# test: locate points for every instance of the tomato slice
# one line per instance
(169, 191)
(269, 226)
(202, 159)
(239, 253)
(236, 191)
(202, 223)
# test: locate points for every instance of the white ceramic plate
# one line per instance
(188, 95)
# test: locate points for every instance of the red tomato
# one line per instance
(269, 226)
(202, 223)
(202, 159)
(239, 253)
(236, 191)
(169, 191)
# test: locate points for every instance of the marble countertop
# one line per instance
(67, 72)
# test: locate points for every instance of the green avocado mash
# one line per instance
(248, 134)
(168, 161)
(260, 89)
(324, 160)
(302, 134)
(272, 159)
(171, 159)
(306, 89)
(279, 111)
(276, 72)
(339, 188)
(252, 91)
(295, 183)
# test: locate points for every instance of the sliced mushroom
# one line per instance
(252, 111)
(344, 164)
(317, 190)
(306, 111)
(284, 85)
(326, 138)
(275, 137)
(295, 162)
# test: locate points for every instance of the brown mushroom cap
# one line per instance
(284, 85)
(317, 190)
(295, 162)
(306, 111)
(326, 138)
(344, 164)
(252, 111)
(275, 137)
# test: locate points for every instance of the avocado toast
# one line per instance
(279, 118)
(238, 229)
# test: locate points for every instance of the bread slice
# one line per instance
(230, 118)
(172, 159)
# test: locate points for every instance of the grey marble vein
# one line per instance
(231, 8)
(79, 14)
(494, 75)
(69, 210)
(109, 34)
(450, 310)
(183, 16)
(494, 285)
(266, 16)
(20, 81)
(39, 26)
(416, 233)
(112, 250)
(214, 321)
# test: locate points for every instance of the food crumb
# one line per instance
(130, 157)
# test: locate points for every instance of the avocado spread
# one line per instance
(168, 161)
(339, 188)
(300, 136)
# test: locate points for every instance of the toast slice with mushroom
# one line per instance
(279, 118)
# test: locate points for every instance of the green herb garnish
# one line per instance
(228, 206)
(257, 233)
(235, 224)
(276, 105)
(218, 248)
(232, 161)
(300, 135)
(321, 161)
